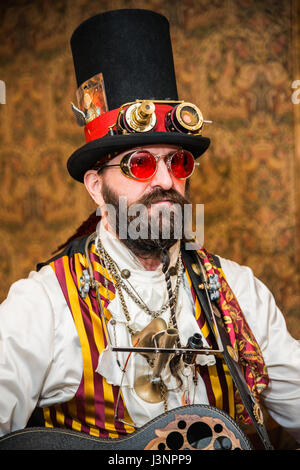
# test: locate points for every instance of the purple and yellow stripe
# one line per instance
(91, 410)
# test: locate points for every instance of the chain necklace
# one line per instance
(115, 271)
(107, 263)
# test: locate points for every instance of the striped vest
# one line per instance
(91, 410)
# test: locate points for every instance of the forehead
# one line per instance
(156, 149)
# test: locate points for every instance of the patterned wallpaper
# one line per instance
(236, 59)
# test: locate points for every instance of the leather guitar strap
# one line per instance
(191, 260)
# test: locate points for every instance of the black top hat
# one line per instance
(125, 55)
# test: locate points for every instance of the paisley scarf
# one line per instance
(240, 335)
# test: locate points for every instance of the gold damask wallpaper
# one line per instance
(236, 59)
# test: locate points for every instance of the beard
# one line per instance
(155, 229)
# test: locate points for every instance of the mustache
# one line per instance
(159, 195)
(147, 247)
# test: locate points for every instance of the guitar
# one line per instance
(193, 427)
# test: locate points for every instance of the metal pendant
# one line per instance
(125, 273)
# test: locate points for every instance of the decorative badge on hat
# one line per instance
(91, 100)
(127, 93)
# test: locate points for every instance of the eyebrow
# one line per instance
(164, 154)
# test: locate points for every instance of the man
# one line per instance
(71, 332)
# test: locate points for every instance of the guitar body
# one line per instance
(194, 427)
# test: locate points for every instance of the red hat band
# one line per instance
(107, 122)
(145, 116)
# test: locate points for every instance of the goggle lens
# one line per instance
(182, 164)
(142, 165)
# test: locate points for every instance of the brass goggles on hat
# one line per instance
(142, 165)
(140, 116)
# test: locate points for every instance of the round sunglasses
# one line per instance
(142, 165)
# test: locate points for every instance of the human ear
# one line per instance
(92, 182)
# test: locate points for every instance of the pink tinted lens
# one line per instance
(142, 165)
(182, 164)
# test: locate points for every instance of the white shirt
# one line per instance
(40, 353)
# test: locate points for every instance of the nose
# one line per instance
(162, 177)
